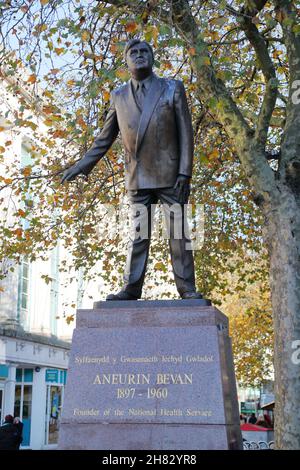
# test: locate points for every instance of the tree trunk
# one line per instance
(282, 234)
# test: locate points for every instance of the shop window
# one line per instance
(53, 413)
(19, 375)
(24, 283)
(28, 375)
(23, 401)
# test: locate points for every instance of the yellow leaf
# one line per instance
(155, 35)
(214, 154)
(106, 95)
(31, 78)
(27, 171)
(44, 2)
(122, 74)
(85, 35)
(70, 319)
(276, 53)
(159, 266)
(48, 122)
(47, 93)
(59, 50)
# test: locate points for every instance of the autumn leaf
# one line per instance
(192, 51)
(7, 180)
(18, 232)
(159, 266)
(59, 50)
(85, 35)
(70, 318)
(122, 74)
(48, 94)
(106, 95)
(31, 78)
(131, 27)
(113, 48)
(27, 171)
(21, 213)
(46, 278)
(214, 154)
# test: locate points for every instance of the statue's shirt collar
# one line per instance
(146, 82)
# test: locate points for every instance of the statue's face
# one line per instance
(139, 59)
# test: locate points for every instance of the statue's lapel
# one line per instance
(150, 102)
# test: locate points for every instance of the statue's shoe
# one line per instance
(191, 295)
(122, 295)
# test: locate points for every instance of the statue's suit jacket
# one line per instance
(158, 139)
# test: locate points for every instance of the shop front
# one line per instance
(32, 381)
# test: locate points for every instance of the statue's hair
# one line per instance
(133, 42)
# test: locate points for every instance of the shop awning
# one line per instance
(268, 406)
(253, 427)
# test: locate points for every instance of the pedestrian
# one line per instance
(252, 419)
(268, 420)
(19, 426)
(261, 421)
(8, 434)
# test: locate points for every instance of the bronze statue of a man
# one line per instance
(153, 118)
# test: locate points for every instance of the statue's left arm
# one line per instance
(185, 131)
(185, 142)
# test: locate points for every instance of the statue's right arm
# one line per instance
(101, 145)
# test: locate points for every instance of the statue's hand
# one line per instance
(71, 173)
(183, 186)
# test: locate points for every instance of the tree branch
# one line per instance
(260, 46)
(140, 7)
(287, 16)
(218, 99)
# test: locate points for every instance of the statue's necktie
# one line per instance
(141, 94)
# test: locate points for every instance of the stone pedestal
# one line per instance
(153, 375)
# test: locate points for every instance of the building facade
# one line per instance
(34, 336)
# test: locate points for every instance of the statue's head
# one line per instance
(139, 57)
